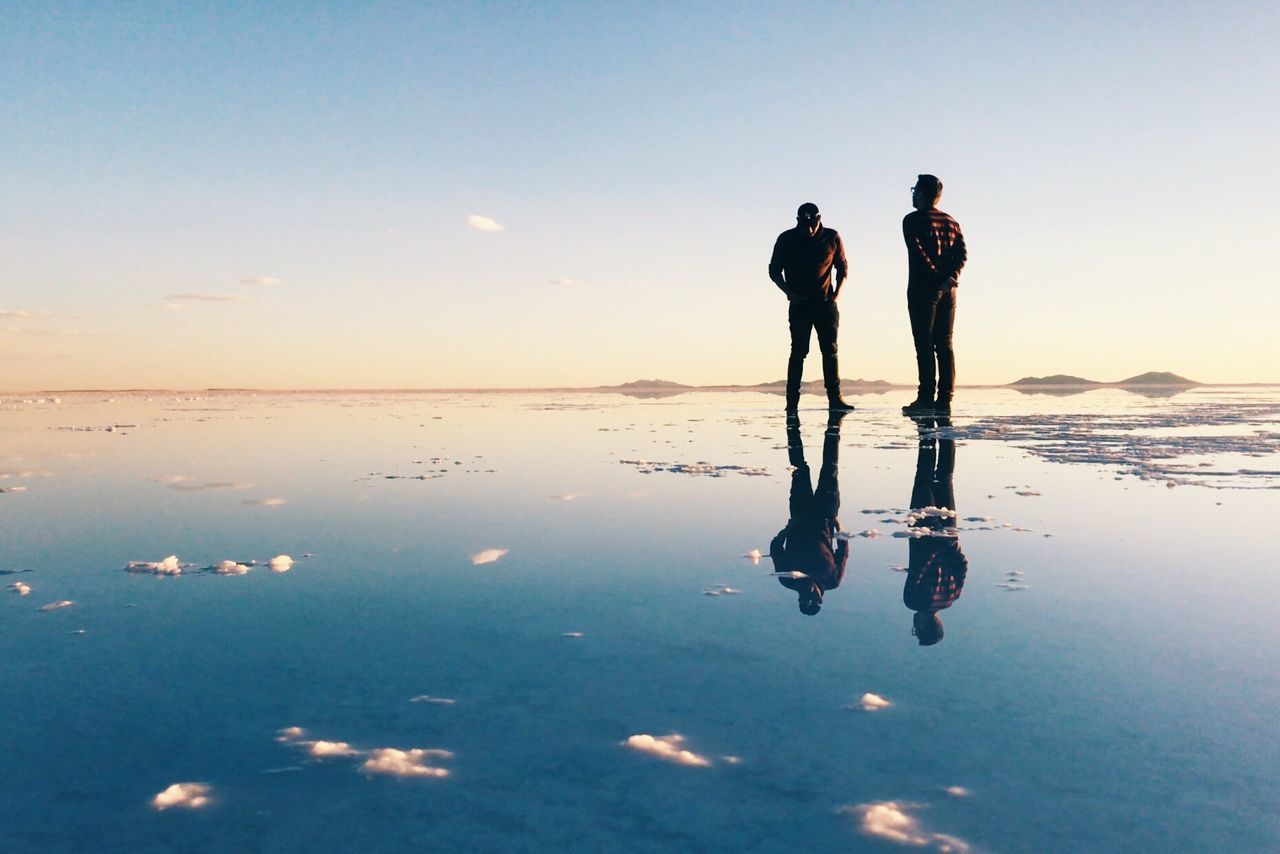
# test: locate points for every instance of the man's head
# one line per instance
(807, 217)
(927, 627)
(810, 600)
(926, 192)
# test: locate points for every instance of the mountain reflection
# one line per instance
(806, 554)
(936, 568)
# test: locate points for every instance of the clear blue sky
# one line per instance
(277, 196)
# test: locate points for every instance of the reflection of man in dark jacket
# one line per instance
(808, 544)
(937, 567)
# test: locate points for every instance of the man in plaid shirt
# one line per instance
(935, 256)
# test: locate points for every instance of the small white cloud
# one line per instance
(563, 280)
(186, 795)
(794, 573)
(181, 298)
(667, 748)
(753, 556)
(186, 485)
(266, 502)
(325, 749)
(571, 634)
(427, 698)
(890, 821)
(19, 588)
(230, 567)
(280, 563)
(260, 280)
(290, 734)
(487, 556)
(405, 763)
(168, 566)
(957, 791)
(483, 223)
(23, 314)
(56, 606)
(871, 703)
(569, 496)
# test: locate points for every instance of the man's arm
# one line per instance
(956, 256)
(777, 262)
(841, 263)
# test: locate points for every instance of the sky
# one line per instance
(570, 194)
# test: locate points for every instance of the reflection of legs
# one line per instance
(827, 494)
(800, 319)
(926, 460)
(943, 487)
(921, 309)
(940, 338)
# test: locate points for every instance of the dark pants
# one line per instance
(805, 316)
(933, 316)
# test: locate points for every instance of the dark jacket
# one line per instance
(801, 264)
(935, 250)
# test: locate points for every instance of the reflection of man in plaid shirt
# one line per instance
(937, 567)
(806, 543)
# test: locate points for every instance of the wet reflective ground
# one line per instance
(528, 621)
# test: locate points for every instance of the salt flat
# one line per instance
(552, 621)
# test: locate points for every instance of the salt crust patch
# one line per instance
(720, 590)
(405, 763)
(870, 703)
(169, 566)
(184, 795)
(390, 761)
(487, 556)
(667, 748)
(890, 821)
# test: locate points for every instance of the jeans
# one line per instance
(933, 316)
(804, 316)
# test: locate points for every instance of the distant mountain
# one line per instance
(1151, 378)
(650, 384)
(1157, 378)
(1055, 379)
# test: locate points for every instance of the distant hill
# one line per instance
(1157, 378)
(650, 384)
(1055, 379)
(1149, 379)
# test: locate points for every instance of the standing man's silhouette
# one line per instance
(935, 257)
(803, 258)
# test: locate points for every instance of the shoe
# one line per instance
(836, 403)
(919, 406)
(942, 405)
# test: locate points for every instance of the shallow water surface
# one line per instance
(540, 622)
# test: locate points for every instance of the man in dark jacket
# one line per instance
(935, 256)
(801, 266)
